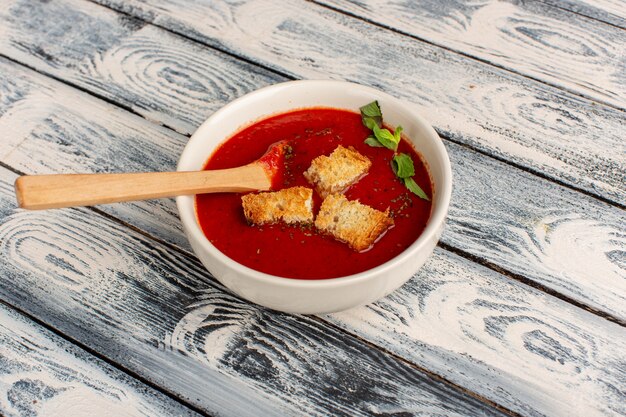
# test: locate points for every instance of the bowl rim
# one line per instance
(433, 226)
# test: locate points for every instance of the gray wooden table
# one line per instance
(520, 312)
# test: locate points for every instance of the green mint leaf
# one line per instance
(385, 137)
(402, 165)
(373, 142)
(371, 110)
(371, 115)
(415, 189)
(398, 133)
(369, 123)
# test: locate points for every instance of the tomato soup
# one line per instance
(301, 251)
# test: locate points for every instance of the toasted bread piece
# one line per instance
(333, 174)
(291, 205)
(358, 225)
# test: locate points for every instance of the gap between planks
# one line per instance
(464, 54)
(523, 280)
(103, 358)
(376, 24)
(532, 171)
(578, 13)
(431, 374)
(91, 93)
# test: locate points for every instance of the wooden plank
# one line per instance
(491, 217)
(529, 124)
(609, 11)
(526, 37)
(32, 112)
(165, 78)
(554, 236)
(533, 352)
(44, 375)
(156, 312)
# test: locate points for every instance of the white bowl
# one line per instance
(324, 295)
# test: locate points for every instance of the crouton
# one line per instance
(356, 224)
(291, 205)
(335, 173)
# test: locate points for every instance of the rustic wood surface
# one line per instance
(513, 118)
(519, 312)
(43, 374)
(155, 311)
(156, 74)
(527, 37)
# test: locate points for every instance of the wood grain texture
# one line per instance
(44, 375)
(559, 238)
(529, 124)
(531, 38)
(554, 236)
(524, 122)
(609, 11)
(156, 312)
(37, 192)
(536, 354)
(62, 137)
(100, 274)
(163, 77)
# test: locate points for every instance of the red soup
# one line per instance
(301, 251)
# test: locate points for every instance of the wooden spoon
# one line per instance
(36, 192)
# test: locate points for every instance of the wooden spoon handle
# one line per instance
(53, 191)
